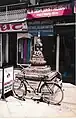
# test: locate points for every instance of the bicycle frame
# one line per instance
(35, 90)
(42, 79)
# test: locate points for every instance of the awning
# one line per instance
(13, 21)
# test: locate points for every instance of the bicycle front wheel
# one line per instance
(19, 88)
(51, 93)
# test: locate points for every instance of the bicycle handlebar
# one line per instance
(23, 68)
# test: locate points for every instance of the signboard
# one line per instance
(11, 27)
(8, 79)
(1, 77)
(44, 27)
(49, 11)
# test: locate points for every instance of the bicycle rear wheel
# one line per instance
(19, 88)
(51, 93)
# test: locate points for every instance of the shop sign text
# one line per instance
(49, 11)
(12, 27)
(44, 27)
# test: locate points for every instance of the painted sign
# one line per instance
(44, 27)
(13, 27)
(49, 11)
(8, 79)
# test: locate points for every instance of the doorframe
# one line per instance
(17, 55)
(57, 52)
(1, 49)
(7, 47)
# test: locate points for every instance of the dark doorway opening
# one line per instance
(12, 48)
(49, 50)
(67, 52)
(67, 58)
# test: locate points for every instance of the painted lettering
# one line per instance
(5, 27)
(17, 26)
(11, 27)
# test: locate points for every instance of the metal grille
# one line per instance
(13, 12)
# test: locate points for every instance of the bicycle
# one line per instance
(49, 92)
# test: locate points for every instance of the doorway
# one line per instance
(67, 58)
(9, 43)
(12, 48)
(49, 50)
(5, 49)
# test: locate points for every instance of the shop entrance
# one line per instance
(8, 49)
(12, 48)
(66, 55)
(67, 52)
(67, 58)
(49, 50)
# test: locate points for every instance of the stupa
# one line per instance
(38, 65)
(38, 58)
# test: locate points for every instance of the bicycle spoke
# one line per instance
(52, 93)
(19, 88)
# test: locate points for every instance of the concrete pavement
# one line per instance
(15, 108)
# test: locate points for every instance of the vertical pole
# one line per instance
(3, 96)
(25, 51)
(28, 50)
(7, 47)
(6, 13)
(17, 50)
(57, 52)
(34, 42)
(75, 60)
(1, 50)
(75, 49)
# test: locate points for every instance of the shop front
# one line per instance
(55, 39)
(67, 51)
(15, 44)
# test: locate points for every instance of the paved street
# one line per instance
(29, 108)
